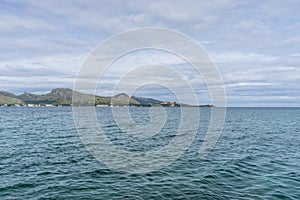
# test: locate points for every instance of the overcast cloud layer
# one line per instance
(255, 44)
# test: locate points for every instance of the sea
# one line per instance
(256, 156)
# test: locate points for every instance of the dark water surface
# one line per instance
(256, 157)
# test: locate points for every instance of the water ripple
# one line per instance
(257, 157)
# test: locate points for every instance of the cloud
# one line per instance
(21, 71)
(255, 44)
(239, 57)
(10, 23)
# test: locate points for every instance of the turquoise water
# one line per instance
(256, 157)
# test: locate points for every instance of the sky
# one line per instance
(254, 44)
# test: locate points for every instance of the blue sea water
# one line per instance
(256, 157)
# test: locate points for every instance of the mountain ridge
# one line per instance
(63, 97)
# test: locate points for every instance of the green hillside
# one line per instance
(8, 100)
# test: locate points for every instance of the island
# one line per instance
(63, 97)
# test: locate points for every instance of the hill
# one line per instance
(8, 100)
(146, 101)
(56, 96)
(63, 96)
(7, 94)
(123, 99)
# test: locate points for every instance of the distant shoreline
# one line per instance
(102, 106)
